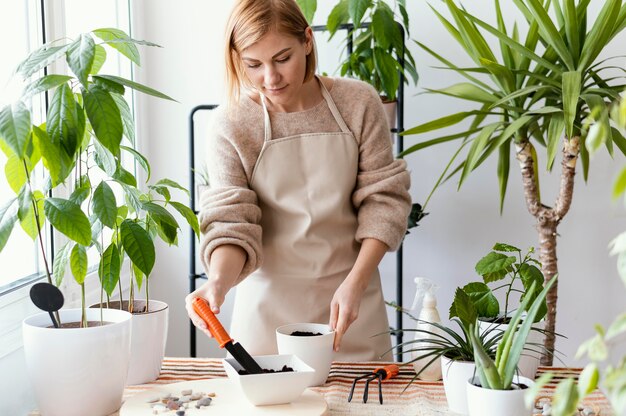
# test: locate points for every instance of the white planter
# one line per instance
(529, 361)
(78, 371)
(487, 402)
(148, 343)
(455, 375)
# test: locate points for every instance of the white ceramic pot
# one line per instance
(316, 351)
(455, 375)
(487, 402)
(149, 338)
(78, 371)
(529, 361)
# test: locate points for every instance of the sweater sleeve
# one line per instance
(229, 210)
(381, 194)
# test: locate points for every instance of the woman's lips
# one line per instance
(275, 90)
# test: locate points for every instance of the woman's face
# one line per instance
(276, 66)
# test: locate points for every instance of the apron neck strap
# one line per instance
(329, 101)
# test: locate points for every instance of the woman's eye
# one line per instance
(285, 59)
(253, 66)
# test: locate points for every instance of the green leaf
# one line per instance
(126, 47)
(69, 219)
(619, 187)
(172, 184)
(132, 197)
(124, 176)
(476, 148)
(189, 215)
(82, 190)
(357, 9)
(28, 220)
(162, 190)
(338, 16)
(487, 305)
(104, 204)
(15, 173)
(138, 276)
(433, 142)
(584, 160)
(386, 67)
(550, 34)
(104, 159)
(15, 127)
(60, 263)
(493, 265)
(588, 380)
(474, 42)
(104, 116)
(44, 84)
(598, 37)
(8, 217)
(167, 232)
(80, 56)
(467, 91)
(140, 159)
(111, 86)
(571, 93)
(79, 263)
(55, 159)
(136, 86)
(109, 269)
(596, 137)
(127, 117)
(617, 328)
(99, 58)
(62, 121)
(599, 133)
(440, 123)
(504, 162)
(40, 58)
(520, 93)
(555, 133)
(506, 248)
(138, 245)
(565, 398)
(463, 308)
(572, 30)
(160, 214)
(308, 8)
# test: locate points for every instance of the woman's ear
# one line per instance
(308, 42)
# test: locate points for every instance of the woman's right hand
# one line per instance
(213, 291)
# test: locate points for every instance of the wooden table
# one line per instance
(421, 398)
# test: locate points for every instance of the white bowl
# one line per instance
(271, 388)
(316, 351)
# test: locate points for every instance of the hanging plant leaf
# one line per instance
(109, 269)
(79, 263)
(140, 159)
(126, 47)
(15, 127)
(104, 204)
(136, 86)
(172, 184)
(104, 159)
(124, 176)
(99, 58)
(40, 58)
(15, 173)
(486, 304)
(127, 117)
(105, 118)
(60, 263)
(138, 245)
(69, 219)
(189, 215)
(45, 83)
(80, 57)
(8, 216)
(55, 159)
(62, 120)
(308, 8)
(338, 16)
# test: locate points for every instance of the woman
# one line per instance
(305, 194)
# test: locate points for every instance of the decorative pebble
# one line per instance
(152, 400)
(211, 394)
(173, 405)
(204, 402)
(196, 396)
(186, 392)
(166, 396)
(184, 399)
(180, 413)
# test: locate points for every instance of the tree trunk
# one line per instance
(548, 220)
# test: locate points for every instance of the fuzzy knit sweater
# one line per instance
(229, 210)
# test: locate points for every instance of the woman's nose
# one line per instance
(272, 76)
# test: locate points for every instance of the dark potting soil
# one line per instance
(285, 369)
(90, 324)
(514, 386)
(304, 334)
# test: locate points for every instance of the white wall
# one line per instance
(462, 226)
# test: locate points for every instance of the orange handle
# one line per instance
(215, 326)
(390, 370)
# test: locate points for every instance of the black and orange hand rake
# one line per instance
(384, 373)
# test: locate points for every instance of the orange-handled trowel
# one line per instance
(223, 339)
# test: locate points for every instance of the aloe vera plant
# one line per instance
(543, 90)
(88, 132)
(498, 374)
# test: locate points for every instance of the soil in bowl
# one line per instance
(90, 324)
(285, 369)
(305, 334)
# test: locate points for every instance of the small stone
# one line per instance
(186, 392)
(158, 409)
(184, 399)
(587, 411)
(173, 405)
(196, 396)
(152, 400)
(211, 394)
(204, 402)
(180, 413)
(166, 396)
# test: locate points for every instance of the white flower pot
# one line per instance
(149, 338)
(529, 361)
(487, 402)
(78, 371)
(455, 375)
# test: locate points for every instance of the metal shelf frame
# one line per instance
(194, 275)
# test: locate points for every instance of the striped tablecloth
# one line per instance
(421, 398)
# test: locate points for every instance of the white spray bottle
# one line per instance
(425, 309)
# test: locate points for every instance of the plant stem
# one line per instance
(83, 319)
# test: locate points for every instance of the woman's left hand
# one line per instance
(344, 308)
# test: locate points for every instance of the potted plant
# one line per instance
(497, 390)
(454, 347)
(515, 274)
(546, 89)
(87, 134)
(379, 54)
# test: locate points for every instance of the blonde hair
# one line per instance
(249, 21)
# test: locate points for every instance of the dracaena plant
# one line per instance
(379, 54)
(498, 374)
(507, 269)
(543, 92)
(87, 133)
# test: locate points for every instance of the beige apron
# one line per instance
(304, 184)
